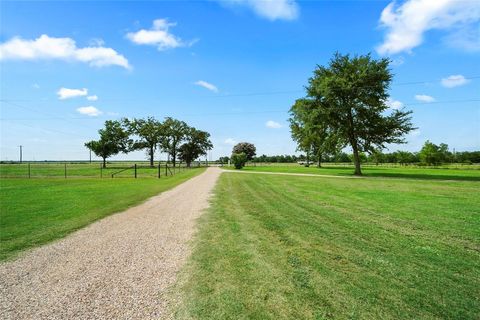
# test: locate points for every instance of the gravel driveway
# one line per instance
(116, 268)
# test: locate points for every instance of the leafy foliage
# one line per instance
(239, 160)
(175, 132)
(247, 148)
(149, 133)
(113, 140)
(347, 103)
(197, 144)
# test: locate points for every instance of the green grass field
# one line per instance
(285, 247)
(84, 170)
(36, 211)
(469, 173)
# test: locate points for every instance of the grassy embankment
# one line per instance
(36, 211)
(285, 247)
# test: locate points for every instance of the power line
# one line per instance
(265, 111)
(279, 92)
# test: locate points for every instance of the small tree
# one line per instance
(113, 140)
(175, 133)
(149, 133)
(197, 144)
(247, 148)
(239, 160)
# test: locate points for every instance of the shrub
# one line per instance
(239, 160)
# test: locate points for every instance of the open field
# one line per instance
(123, 169)
(36, 211)
(285, 247)
(469, 173)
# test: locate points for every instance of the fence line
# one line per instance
(93, 170)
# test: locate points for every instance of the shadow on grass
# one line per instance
(422, 176)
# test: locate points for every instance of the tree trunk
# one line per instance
(356, 160)
(104, 162)
(319, 164)
(308, 159)
(151, 156)
(174, 156)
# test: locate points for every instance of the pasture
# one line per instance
(292, 247)
(36, 211)
(457, 172)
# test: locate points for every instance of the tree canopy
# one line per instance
(149, 132)
(346, 105)
(247, 148)
(113, 140)
(197, 144)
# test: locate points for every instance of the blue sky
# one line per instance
(232, 68)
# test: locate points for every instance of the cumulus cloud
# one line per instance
(230, 141)
(90, 111)
(424, 98)
(65, 93)
(159, 35)
(394, 104)
(272, 124)
(270, 9)
(206, 85)
(407, 23)
(454, 81)
(48, 48)
(92, 98)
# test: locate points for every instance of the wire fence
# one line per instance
(94, 170)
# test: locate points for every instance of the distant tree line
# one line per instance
(430, 154)
(179, 140)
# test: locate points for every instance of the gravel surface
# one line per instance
(117, 268)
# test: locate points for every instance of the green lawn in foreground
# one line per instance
(380, 171)
(35, 211)
(286, 247)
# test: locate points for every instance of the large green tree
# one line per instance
(175, 133)
(113, 140)
(351, 96)
(149, 133)
(197, 144)
(247, 148)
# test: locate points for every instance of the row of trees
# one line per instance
(346, 105)
(172, 136)
(430, 154)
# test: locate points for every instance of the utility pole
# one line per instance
(20, 153)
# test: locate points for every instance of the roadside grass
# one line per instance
(36, 211)
(440, 173)
(286, 247)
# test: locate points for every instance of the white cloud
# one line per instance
(394, 104)
(272, 124)
(424, 98)
(36, 86)
(407, 23)
(46, 48)
(92, 98)
(89, 111)
(65, 93)
(206, 85)
(230, 141)
(454, 81)
(159, 36)
(270, 9)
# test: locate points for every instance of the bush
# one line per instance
(239, 160)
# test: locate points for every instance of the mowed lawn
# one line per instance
(440, 173)
(286, 247)
(36, 211)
